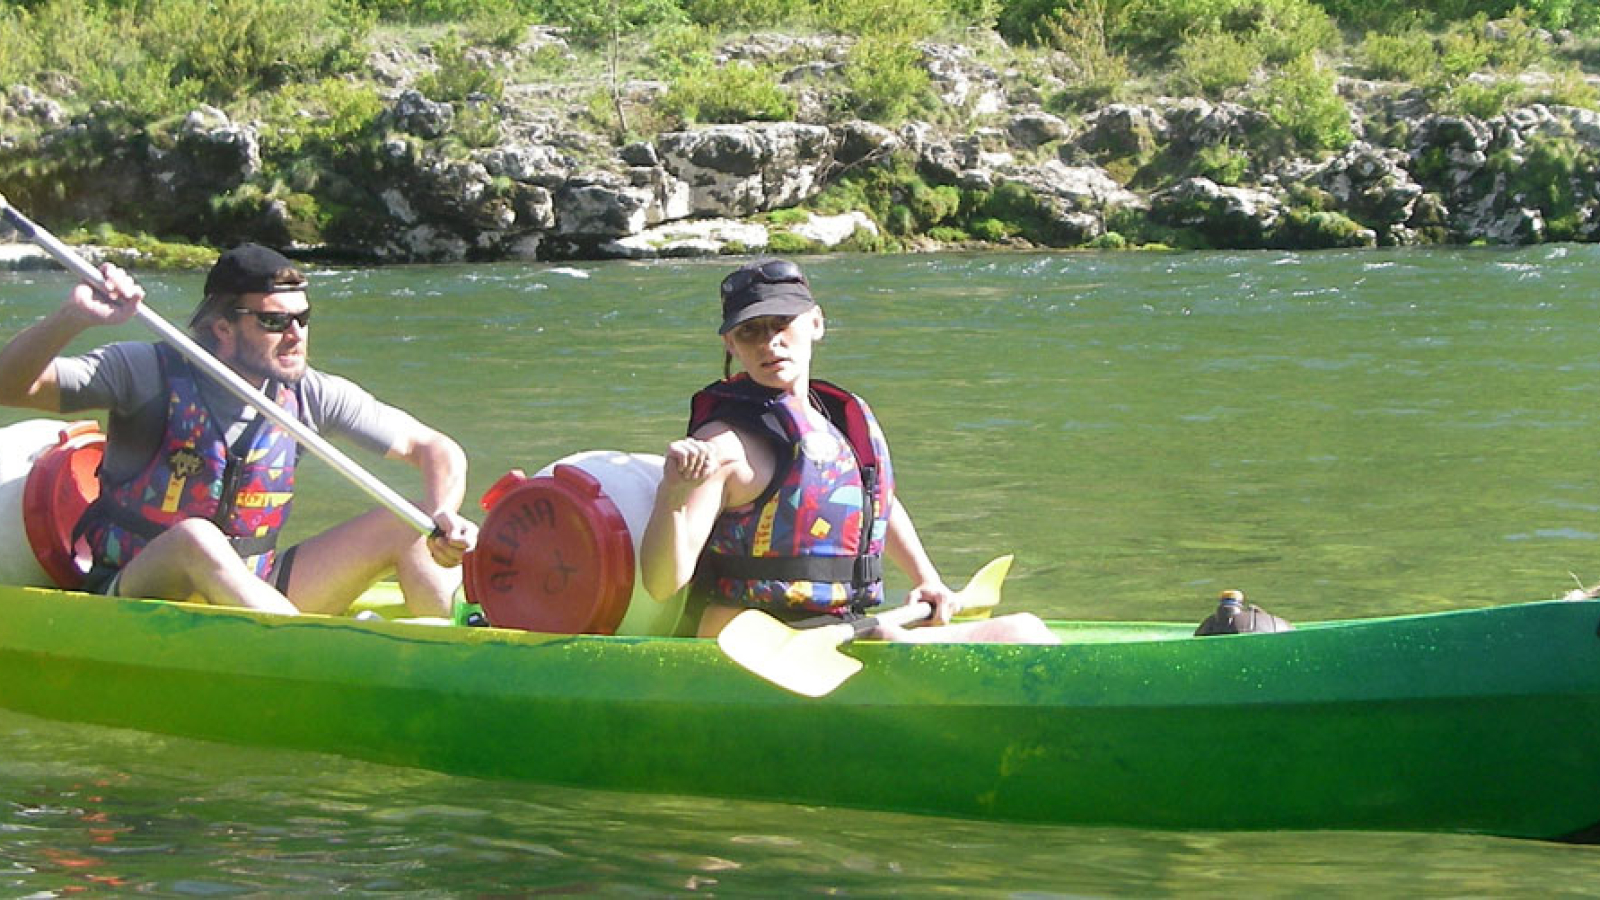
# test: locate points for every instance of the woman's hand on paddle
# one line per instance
(118, 304)
(940, 597)
(454, 538)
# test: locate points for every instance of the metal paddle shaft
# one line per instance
(229, 379)
(807, 661)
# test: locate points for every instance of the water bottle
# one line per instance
(1234, 616)
(1228, 617)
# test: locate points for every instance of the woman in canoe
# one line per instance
(781, 497)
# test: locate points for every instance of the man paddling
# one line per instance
(196, 486)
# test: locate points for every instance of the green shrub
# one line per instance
(153, 59)
(235, 47)
(873, 190)
(1463, 49)
(243, 209)
(1019, 21)
(1318, 230)
(946, 234)
(1302, 102)
(902, 204)
(977, 13)
(792, 215)
(900, 220)
(1519, 47)
(1081, 32)
(885, 80)
(596, 23)
(20, 56)
(1548, 174)
(896, 20)
(1284, 30)
(1373, 15)
(146, 93)
(495, 23)
(1016, 205)
(932, 205)
(745, 13)
(674, 51)
(454, 11)
(1484, 100)
(459, 77)
(90, 45)
(1385, 14)
(737, 92)
(141, 251)
(477, 124)
(330, 114)
(1215, 63)
(787, 243)
(990, 229)
(1222, 164)
(1403, 56)
(1567, 87)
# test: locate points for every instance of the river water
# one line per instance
(1338, 434)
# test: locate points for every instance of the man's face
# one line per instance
(268, 337)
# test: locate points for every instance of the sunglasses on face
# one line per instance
(776, 271)
(277, 322)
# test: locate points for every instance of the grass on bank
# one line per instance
(300, 68)
(157, 58)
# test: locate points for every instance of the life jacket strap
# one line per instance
(857, 571)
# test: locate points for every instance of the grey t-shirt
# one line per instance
(125, 379)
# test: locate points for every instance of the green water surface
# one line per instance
(1338, 434)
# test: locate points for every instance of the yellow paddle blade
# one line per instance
(982, 593)
(806, 662)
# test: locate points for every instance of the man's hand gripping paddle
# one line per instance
(807, 661)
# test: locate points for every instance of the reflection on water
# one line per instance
(1335, 433)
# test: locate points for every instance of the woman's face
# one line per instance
(776, 350)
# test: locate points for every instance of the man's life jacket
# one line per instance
(813, 541)
(245, 489)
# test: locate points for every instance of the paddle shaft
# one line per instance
(909, 614)
(228, 378)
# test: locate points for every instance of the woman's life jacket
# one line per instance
(813, 541)
(246, 489)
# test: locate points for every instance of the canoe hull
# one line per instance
(1480, 721)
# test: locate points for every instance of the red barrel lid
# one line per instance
(59, 488)
(554, 555)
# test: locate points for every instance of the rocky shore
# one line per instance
(1125, 174)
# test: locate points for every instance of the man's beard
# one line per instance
(259, 366)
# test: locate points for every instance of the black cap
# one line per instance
(770, 287)
(251, 269)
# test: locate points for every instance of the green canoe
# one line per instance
(1483, 720)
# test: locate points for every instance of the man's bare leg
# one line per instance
(194, 557)
(331, 569)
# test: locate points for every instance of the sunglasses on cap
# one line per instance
(277, 322)
(775, 271)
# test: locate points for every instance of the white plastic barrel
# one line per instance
(20, 445)
(558, 551)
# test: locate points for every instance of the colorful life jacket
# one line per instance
(813, 541)
(245, 489)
